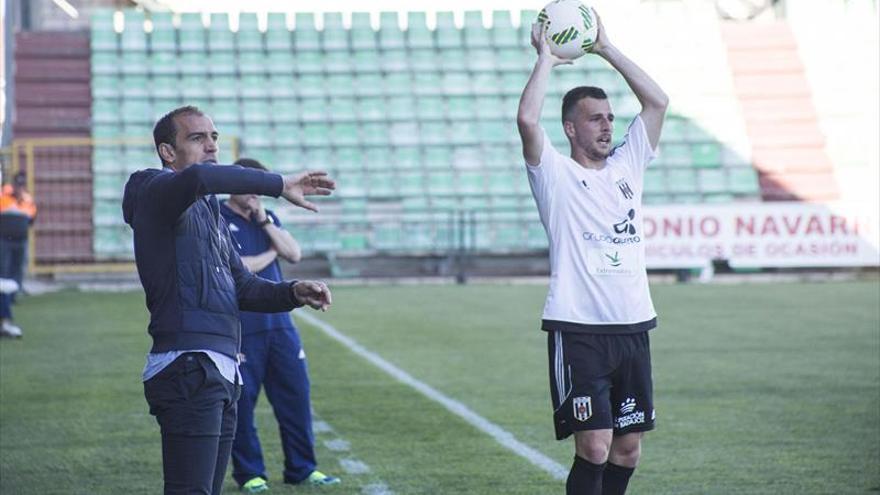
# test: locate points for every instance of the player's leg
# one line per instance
(632, 398)
(188, 399)
(247, 454)
(580, 390)
(287, 388)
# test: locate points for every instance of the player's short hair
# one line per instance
(250, 163)
(165, 130)
(577, 94)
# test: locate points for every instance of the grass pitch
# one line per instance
(759, 389)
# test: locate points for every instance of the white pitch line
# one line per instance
(500, 435)
(353, 466)
(337, 445)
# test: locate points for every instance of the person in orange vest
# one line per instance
(17, 214)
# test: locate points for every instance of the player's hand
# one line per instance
(539, 41)
(602, 41)
(256, 210)
(313, 293)
(311, 183)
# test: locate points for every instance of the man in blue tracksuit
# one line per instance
(272, 354)
(195, 285)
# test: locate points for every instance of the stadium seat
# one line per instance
(104, 87)
(405, 158)
(191, 33)
(470, 182)
(280, 63)
(394, 60)
(371, 109)
(366, 61)
(681, 181)
(401, 108)
(475, 35)
(255, 111)
(504, 35)
(249, 38)
(102, 35)
(344, 135)
(404, 133)
(461, 108)
(481, 60)
(278, 37)
(285, 135)
(220, 37)
(134, 62)
(192, 62)
(105, 64)
(390, 35)
(362, 35)
(222, 63)
(374, 134)
(706, 155)
(334, 35)
(133, 37)
(341, 109)
(743, 181)
(448, 36)
(164, 35)
(458, 83)
(134, 86)
(713, 181)
(411, 183)
(337, 62)
(305, 35)
(427, 84)
(418, 36)
(380, 185)
(424, 60)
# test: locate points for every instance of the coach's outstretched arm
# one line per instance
(528, 117)
(654, 101)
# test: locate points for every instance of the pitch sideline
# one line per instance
(500, 435)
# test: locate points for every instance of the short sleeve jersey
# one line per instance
(593, 220)
(251, 240)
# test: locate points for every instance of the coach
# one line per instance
(195, 286)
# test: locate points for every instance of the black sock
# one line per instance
(585, 478)
(615, 479)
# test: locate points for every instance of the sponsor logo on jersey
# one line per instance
(628, 414)
(613, 259)
(625, 226)
(583, 408)
(624, 189)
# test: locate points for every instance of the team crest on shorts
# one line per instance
(583, 408)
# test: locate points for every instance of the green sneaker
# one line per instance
(255, 485)
(317, 478)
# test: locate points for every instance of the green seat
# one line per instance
(305, 35)
(310, 86)
(249, 38)
(681, 181)
(501, 182)
(395, 60)
(134, 62)
(425, 84)
(417, 33)
(371, 109)
(433, 133)
(105, 64)
(194, 63)
(475, 35)
(496, 132)
(423, 60)
(224, 112)
(437, 157)
(316, 134)
(674, 130)
(309, 62)
(404, 133)
(222, 63)
(222, 87)
(527, 17)
(277, 35)
(511, 83)
(448, 36)
(655, 182)
(255, 110)
(280, 63)
(254, 86)
(430, 108)
(380, 185)
(706, 155)
(136, 110)
(463, 133)
(401, 108)
(676, 155)
(133, 37)
(344, 135)
(471, 182)
(504, 35)
(513, 59)
(339, 85)
(105, 111)
(743, 181)
(220, 37)
(334, 36)
(285, 135)
(313, 110)
(456, 83)
(440, 183)
(352, 184)
(191, 33)
(366, 61)
(341, 109)
(390, 35)
(492, 108)
(349, 158)
(368, 85)
(411, 183)
(374, 134)
(164, 35)
(484, 83)
(398, 83)
(718, 198)
(163, 63)
(453, 60)
(461, 108)
(713, 181)
(102, 36)
(378, 159)
(337, 62)
(406, 158)
(481, 60)
(362, 35)
(387, 237)
(135, 87)
(256, 135)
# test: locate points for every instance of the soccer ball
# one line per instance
(572, 27)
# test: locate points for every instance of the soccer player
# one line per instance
(598, 309)
(272, 354)
(195, 285)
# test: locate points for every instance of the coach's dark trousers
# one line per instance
(196, 411)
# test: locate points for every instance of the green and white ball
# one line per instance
(572, 27)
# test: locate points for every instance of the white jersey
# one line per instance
(593, 219)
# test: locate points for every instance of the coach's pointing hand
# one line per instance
(311, 183)
(313, 293)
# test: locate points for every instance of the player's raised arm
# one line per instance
(653, 99)
(532, 100)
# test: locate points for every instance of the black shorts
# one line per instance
(600, 382)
